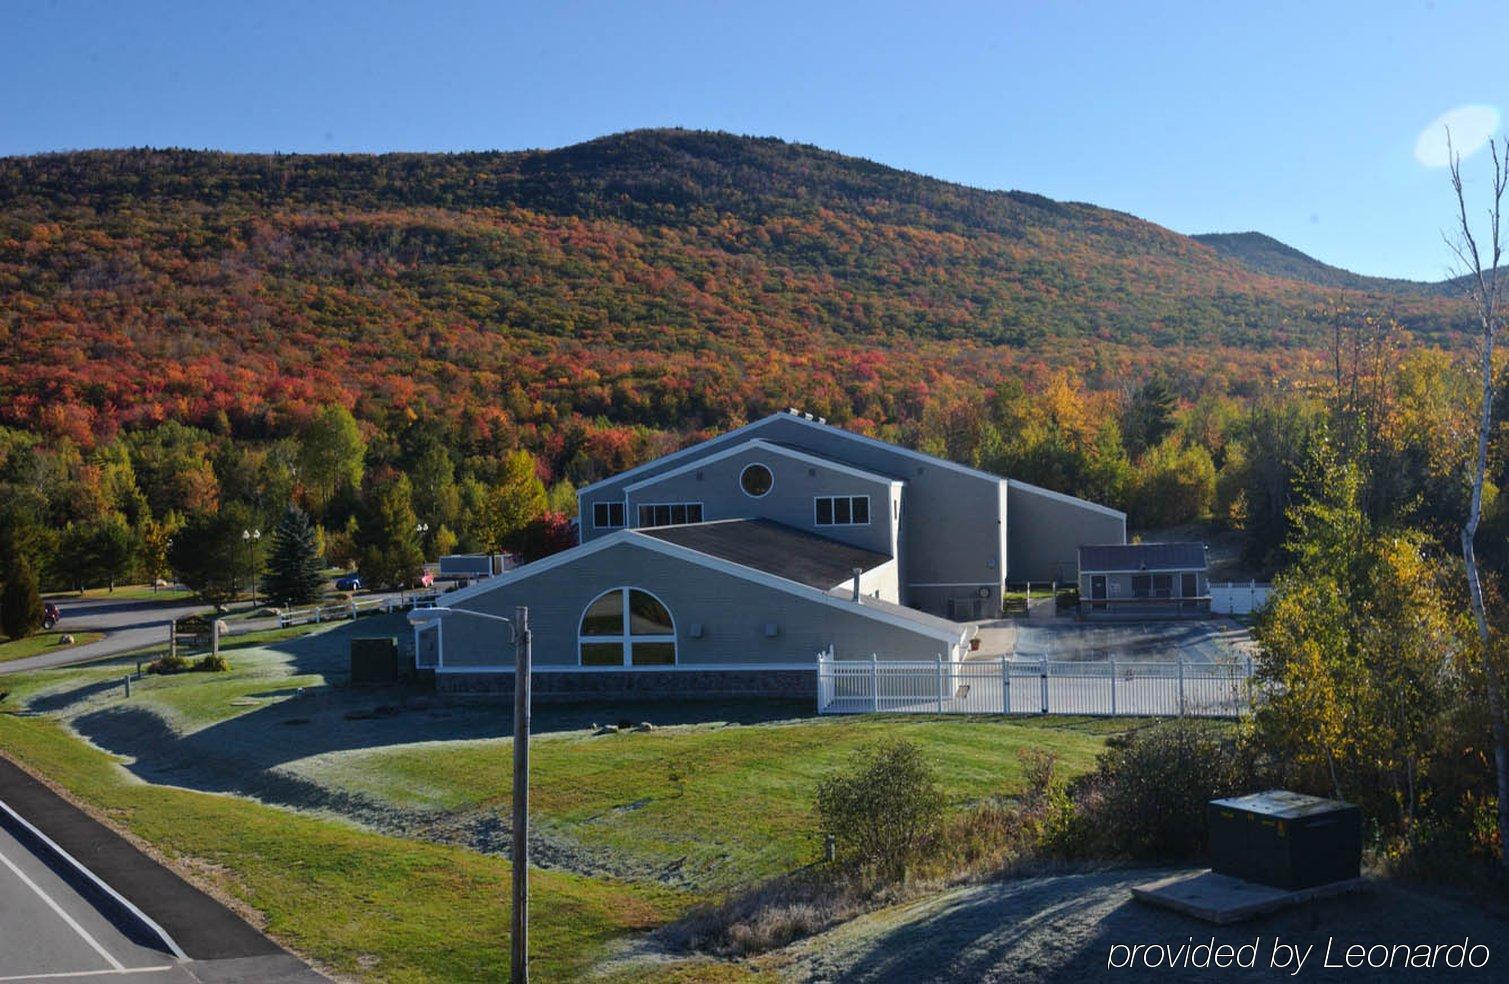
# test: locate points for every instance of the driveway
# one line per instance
(1202, 641)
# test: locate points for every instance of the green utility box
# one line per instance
(374, 661)
(1287, 840)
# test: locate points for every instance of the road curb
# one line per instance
(137, 925)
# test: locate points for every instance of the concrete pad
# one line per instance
(1221, 899)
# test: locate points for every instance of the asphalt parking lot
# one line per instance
(49, 931)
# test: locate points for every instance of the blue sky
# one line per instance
(1299, 120)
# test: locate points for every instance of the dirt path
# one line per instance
(1062, 928)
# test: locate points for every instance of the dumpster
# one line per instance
(1285, 839)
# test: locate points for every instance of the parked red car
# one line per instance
(50, 615)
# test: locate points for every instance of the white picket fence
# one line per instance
(351, 609)
(1232, 598)
(1042, 686)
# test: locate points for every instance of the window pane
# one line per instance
(600, 514)
(615, 513)
(825, 512)
(605, 616)
(1141, 585)
(756, 480)
(602, 654)
(1189, 585)
(646, 516)
(654, 653)
(662, 515)
(841, 511)
(678, 514)
(1163, 585)
(861, 509)
(648, 616)
(694, 512)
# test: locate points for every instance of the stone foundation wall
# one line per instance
(638, 684)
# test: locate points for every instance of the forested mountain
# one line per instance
(665, 279)
(1264, 254)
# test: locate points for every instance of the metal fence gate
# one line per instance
(1042, 686)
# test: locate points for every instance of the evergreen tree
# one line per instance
(20, 603)
(293, 575)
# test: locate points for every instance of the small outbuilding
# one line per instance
(1142, 580)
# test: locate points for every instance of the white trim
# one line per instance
(832, 503)
(680, 552)
(769, 447)
(897, 448)
(1142, 570)
(627, 638)
(1068, 499)
(745, 470)
(666, 668)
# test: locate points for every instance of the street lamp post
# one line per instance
(522, 668)
(251, 537)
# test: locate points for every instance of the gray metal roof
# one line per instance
(774, 548)
(1188, 556)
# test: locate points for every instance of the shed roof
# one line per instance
(1187, 556)
(774, 548)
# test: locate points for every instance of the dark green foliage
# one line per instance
(1149, 416)
(210, 663)
(1146, 798)
(883, 808)
(209, 556)
(167, 665)
(293, 575)
(20, 602)
(388, 538)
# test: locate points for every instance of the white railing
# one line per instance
(1232, 598)
(351, 609)
(1017, 686)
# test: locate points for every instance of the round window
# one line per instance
(756, 480)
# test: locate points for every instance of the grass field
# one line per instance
(43, 642)
(638, 826)
(123, 592)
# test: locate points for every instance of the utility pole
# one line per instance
(521, 679)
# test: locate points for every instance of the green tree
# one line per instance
(515, 500)
(20, 602)
(113, 548)
(561, 499)
(209, 556)
(391, 555)
(294, 567)
(1175, 484)
(331, 456)
(1149, 416)
(882, 808)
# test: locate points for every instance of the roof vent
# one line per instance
(822, 420)
(807, 415)
(793, 411)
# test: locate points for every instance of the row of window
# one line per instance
(1162, 586)
(829, 510)
(843, 510)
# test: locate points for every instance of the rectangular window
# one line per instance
(608, 515)
(1142, 586)
(602, 654)
(1191, 585)
(842, 510)
(654, 653)
(1163, 585)
(669, 513)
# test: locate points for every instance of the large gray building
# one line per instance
(726, 567)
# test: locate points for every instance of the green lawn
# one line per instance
(43, 642)
(706, 807)
(123, 592)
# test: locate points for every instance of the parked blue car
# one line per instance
(350, 582)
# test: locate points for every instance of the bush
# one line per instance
(881, 811)
(168, 664)
(1147, 797)
(20, 604)
(211, 663)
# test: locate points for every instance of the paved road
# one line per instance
(46, 928)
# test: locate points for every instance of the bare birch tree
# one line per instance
(1480, 267)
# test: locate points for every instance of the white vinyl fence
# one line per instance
(1238, 599)
(351, 609)
(1040, 686)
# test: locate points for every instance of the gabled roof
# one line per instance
(1115, 558)
(930, 625)
(767, 446)
(1064, 497)
(798, 418)
(774, 548)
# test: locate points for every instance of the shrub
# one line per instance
(20, 604)
(1147, 797)
(168, 664)
(882, 810)
(211, 663)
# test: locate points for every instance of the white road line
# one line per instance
(89, 973)
(114, 963)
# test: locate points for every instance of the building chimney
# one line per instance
(857, 572)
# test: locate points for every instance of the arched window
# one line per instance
(627, 627)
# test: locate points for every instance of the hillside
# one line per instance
(666, 279)
(1266, 255)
